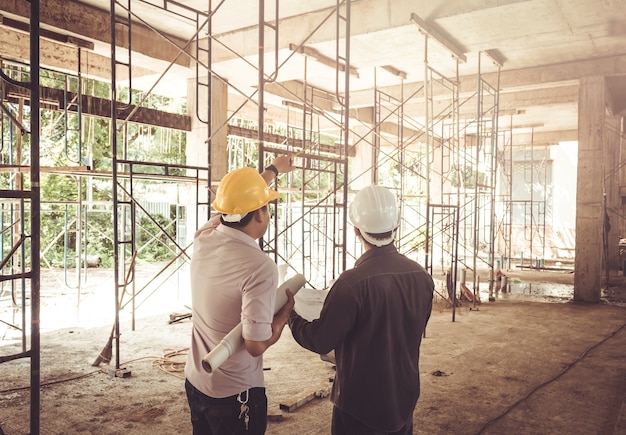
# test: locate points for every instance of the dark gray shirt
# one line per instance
(373, 317)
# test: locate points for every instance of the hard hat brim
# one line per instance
(272, 195)
(379, 242)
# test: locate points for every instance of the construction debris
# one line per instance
(274, 414)
(177, 317)
(119, 373)
(301, 400)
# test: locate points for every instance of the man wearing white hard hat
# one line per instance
(373, 317)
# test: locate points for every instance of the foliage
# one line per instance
(70, 203)
(465, 177)
(100, 236)
(152, 239)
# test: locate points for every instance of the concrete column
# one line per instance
(197, 147)
(611, 182)
(361, 164)
(589, 189)
(436, 174)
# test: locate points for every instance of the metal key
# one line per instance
(243, 411)
(244, 407)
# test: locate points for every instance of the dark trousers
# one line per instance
(345, 424)
(211, 416)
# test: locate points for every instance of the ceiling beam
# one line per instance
(316, 27)
(57, 99)
(295, 91)
(324, 60)
(45, 33)
(508, 102)
(93, 24)
(58, 56)
(538, 77)
(429, 30)
(543, 138)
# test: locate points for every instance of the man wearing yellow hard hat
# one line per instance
(233, 281)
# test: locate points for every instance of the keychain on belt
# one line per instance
(244, 407)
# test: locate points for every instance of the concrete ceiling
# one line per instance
(545, 47)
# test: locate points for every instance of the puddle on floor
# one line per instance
(540, 289)
(546, 292)
(529, 291)
(520, 290)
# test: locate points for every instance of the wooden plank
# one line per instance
(274, 414)
(296, 402)
(58, 99)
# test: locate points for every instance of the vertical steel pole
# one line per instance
(35, 248)
(346, 131)
(113, 138)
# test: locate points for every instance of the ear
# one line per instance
(258, 215)
(357, 232)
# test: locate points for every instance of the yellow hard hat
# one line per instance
(241, 191)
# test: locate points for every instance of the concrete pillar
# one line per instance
(589, 189)
(197, 148)
(361, 164)
(436, 174)
(612, 186)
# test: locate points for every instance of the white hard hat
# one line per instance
(374, 210)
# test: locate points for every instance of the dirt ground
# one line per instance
(524, 364)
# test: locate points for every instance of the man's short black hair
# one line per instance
(243, 222)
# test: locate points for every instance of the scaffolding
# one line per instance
(64, 100)
(21, 200)
(311, 218)
(442, 168)
(189, 183)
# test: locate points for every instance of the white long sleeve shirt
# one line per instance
(232, 281)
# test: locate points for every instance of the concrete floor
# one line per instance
(510, 366)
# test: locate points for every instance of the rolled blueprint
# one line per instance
(233, 340)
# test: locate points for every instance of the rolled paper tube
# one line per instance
(233, 340)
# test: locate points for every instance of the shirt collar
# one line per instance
(376, 252)
(236, 234)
